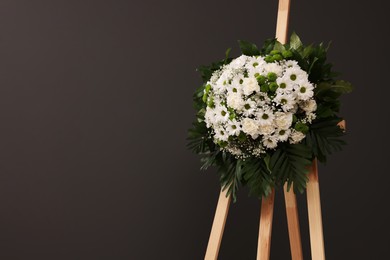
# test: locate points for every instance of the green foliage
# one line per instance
(324, 137)
(258, 177)
(288, 163)
(249, 49)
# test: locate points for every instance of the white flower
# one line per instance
(221, 114)
(266, 129)
(270, 142)
(309, 106)
(309, 117)
(235, 101)
(295, 74)
(283, 134)
(296, 136)
(250, 127)
(239, 62)
(273, 67)
(285, 85)
(233, 127)
(210, 117)
(250, 85)
(265, 117)
(262, 99)
(234, 150)
(287, 101)
(304, 91)
(291, 63)
(220, 134)
(249, 107)
(283, 120)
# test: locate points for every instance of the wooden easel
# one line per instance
(267, 204)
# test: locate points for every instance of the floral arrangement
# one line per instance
(265, 115)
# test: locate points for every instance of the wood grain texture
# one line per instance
(293, 224)
(282, 20)
(265, 229)
(315, 217)
(218, 226)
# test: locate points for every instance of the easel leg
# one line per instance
(293, 224)
(218, 227)
(315, 218)
(265, 229)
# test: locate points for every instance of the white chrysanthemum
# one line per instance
(233, 127)
(249, 107)
(210, 117)
(221, 134)
(250, 127)
(273, 67)
(287, 101)
(263, 99)
(283, 134)
(270, 142)
(255, 66)
(285, 85)
(221, 114)
(236, 84)
(291, 63)
(265, 117)
(309, 106)
(235, 101)
(283, 120)
(266, 129)
(239, 62)
(250, 86)
(295, 74)
(296, 136)
(304, 91)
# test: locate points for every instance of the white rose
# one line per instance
(250, 127)
(250, 85)
(235, 101)
(309, 106)
(266, 129)
(296, 137)
(283, 120)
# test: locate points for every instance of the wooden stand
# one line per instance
(267, 205)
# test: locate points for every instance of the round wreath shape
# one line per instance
(265, 115)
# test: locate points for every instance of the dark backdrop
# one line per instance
(95, 101)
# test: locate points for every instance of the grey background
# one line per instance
(95, 101)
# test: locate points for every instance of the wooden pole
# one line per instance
(315, 217)
(218, 226)
(293, 224)
(265, 229)
(289, 196)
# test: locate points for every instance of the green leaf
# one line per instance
(279, 47)
(290, 164)
(257, 177)
(227, 54)
(268, 46)
(295, 42)
(324, 137)
(248, 48)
